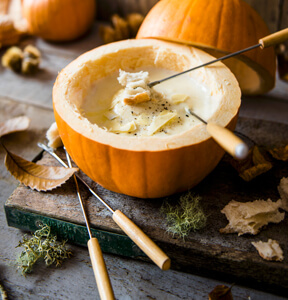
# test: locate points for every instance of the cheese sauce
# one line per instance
(165, 114)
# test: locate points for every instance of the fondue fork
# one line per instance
(131, 229)
(225, 138)
(96, 256)
(265, 42)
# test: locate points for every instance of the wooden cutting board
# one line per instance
(206, 252)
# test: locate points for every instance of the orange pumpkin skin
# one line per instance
(218, 27)
(143, 167)
(130, 172)
(59, 20)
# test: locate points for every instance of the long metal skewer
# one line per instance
(96, 256)
(153, 83)
(79, 197)
(52, 153)
(267, 41)
(130, 228)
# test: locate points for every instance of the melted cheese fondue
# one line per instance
(164, 114)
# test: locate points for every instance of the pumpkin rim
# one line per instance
(266, 79)
(62, 90)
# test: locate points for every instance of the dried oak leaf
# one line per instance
(221, 292)
(14, 124)
(38, 177)
(280, 153)
(254, 165)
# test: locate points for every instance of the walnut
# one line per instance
(25, 62)
(134, 21)
(107, 34)
(31, 60)
(121, 28)
(29, 65)
(12, 59)
(32, 51)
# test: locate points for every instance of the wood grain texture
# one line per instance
(130, 279)
(274, 12)
(205, 252)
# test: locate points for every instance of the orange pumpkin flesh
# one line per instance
(218, 27)
(145, 167)
(59, 20)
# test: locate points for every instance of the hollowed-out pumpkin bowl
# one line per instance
(142, 166)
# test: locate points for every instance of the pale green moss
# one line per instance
(42, 245)
(187, 215)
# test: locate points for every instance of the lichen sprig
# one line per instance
(184, 217)
(42, 245)
(3, 292)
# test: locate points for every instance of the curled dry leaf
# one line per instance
(254, 165)
(280, 153)
(222, 292)
(38, 177)
(13, 125)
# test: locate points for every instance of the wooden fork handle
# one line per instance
(274, 38)
(100, 271)
(142, 240)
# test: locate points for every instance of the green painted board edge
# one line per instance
(113, 243)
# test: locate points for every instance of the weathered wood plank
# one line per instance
(37, 89)
(123, 7)
(270, 11)
(130, 279)
(205, 252)
(26, 145)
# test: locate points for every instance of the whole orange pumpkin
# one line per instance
(59, 20)
(218, 27)
(141, 166)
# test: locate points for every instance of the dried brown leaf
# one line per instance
(221, 292)
(13, 125)
(254, 165)
(38, 177)
(280, 153)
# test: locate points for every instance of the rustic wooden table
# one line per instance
(131, 279)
